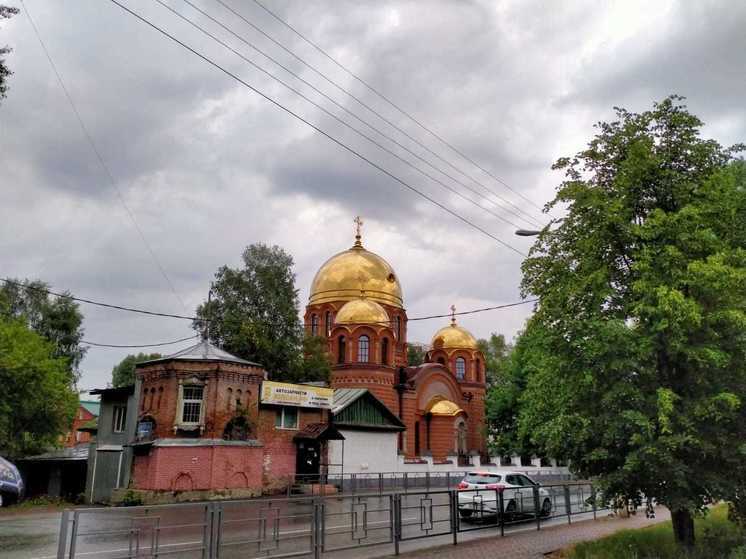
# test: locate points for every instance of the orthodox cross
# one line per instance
(358, 227)
(453, 315)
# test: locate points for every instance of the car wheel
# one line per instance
(1, 500)
(546, 507)
(465, 513)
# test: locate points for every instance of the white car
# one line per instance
(478, 494)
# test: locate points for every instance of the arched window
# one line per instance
(385, 351)
(239, 395)
(460, 368)
(363, 348)
(314, 325)
(441, 361)
(328, 321)
(341, 349)
(230, 399)
(479, 370)
(397, 324)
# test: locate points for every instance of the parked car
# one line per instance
(478, 494)
(11, 483)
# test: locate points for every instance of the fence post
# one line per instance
(62, 543)
(427, 481)
(74, 534)
(406, 481)
(453, 495)
(501, 509)
(316, 529)
(593, 500)
(448, 480)
(568, 503)
(537, 510)
(397, 521)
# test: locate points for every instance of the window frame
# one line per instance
(328, 323)
(183, 401)
(119, 418)
(314, 324)
(363, 348)
(460, 375)
(280, 417)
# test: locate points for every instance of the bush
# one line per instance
(738, 553)
(131, 499)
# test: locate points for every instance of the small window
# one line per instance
(191, 409)
(120, 417)
(460, 368)
(328, 322)
(397, 324)
(314, 325)
(341, 348)
(363, 349)
(479, 370)
(385, 351)
(286, 418)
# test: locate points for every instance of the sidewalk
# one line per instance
(533, 544)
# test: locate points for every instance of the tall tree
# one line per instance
(313, 363)
(58, 319)
(123, 373)
(415, 354)
(37, 403)
(253, 312)
(496, 353)
(5, 13)
(639, 339)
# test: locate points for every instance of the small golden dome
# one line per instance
(444, 407)
(362, 311)
(454, 337)
(344, 275)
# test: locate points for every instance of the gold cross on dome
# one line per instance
(453, 315)
(358, 228)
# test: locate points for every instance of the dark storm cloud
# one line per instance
(208, 167)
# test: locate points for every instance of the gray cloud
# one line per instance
(208, 167)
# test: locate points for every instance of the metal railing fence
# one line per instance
(313, 526)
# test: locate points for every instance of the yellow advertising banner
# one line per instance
(285, 394)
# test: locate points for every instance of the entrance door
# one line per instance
(463, 458)
(308, 461)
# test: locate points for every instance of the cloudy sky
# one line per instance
(207, 166)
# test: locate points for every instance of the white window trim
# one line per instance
(180, 404)
(281, 413)
(119, 419)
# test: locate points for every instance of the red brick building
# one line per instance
(85, 418)
(203, 426)
(356, 302)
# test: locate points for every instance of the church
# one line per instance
(356, 302)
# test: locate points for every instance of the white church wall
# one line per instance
(365, 451)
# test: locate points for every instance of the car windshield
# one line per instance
(482, 479)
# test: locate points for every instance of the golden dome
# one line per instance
(444, 407)
(345, 275)
(362, 311)
(454, 337)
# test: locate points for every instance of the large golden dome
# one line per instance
(454, 337)
(362, 311)
(345, 275)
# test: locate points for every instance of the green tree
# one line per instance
(58, 319)
(5, 13)
(496, 353)
(638, 365)
(415, 355)
(123, 373)
(37, 403)
(313, 363)
(253, 312)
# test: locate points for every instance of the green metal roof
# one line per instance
(92, 406)
(359, 408)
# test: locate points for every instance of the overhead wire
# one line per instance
(369, 108)
(328, 135)
(392, 103)
(327, 97)
(338, 119)
(118, 346)
(100, 158)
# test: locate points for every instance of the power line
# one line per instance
(85, 342)
(334, 102)
(319, 130)
(336, 118)
(96, 303)
(100, 158)
(390, 102)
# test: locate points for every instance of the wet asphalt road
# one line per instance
(250, 527)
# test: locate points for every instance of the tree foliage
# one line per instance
(37, 403)
(5, 13)
(313, 364)
(123, 373)
(253, 312)
(637, 370)
(415, 355)
(57, 319)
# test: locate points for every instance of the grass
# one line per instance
(716, 538)
(16, 542)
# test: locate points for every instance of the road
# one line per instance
(264, 527)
